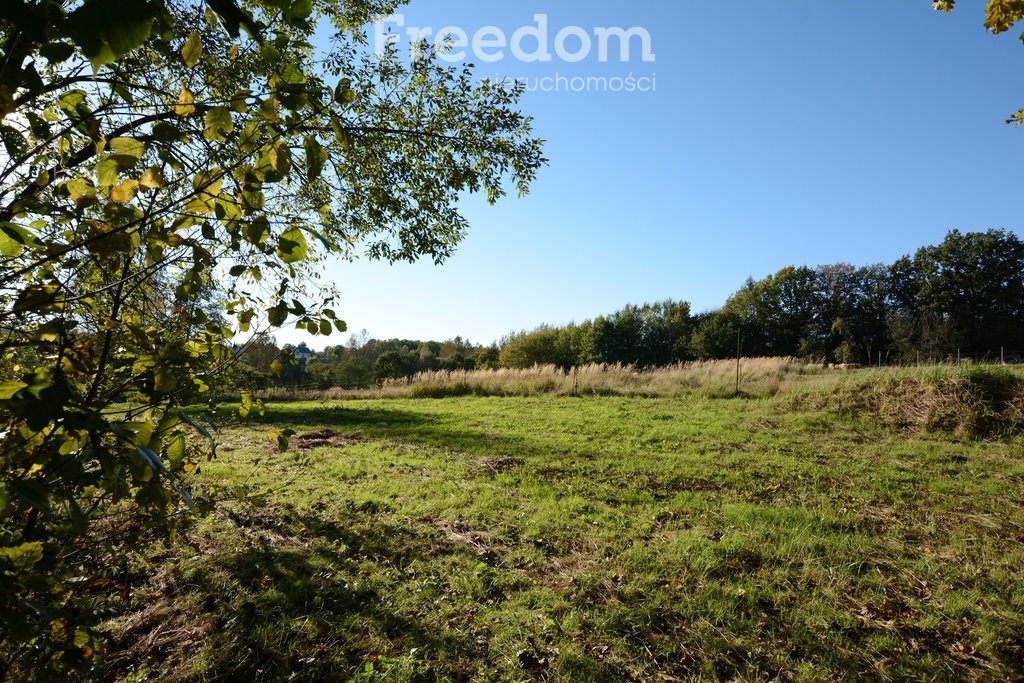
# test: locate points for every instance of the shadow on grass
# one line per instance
(392, 424)
(293, 597)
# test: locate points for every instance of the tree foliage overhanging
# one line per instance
(173, 172)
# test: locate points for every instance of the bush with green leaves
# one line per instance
(173, 174)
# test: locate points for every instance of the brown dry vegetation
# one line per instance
(716, 378)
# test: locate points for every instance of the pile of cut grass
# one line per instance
(968, 402)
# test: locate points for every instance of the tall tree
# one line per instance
(158, 147)
(976, 282)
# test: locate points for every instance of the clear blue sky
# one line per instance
(802, 132)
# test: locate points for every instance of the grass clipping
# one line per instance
(969, 403)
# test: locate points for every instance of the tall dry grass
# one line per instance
(758, 377)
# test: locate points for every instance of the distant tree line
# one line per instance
(361, 363)
(964, 296)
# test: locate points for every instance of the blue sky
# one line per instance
(803, 132)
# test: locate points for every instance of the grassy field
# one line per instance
(597, 538)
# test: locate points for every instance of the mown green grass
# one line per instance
(591, 539)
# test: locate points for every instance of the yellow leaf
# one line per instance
(152, 178)
(207, 186)
(124, 192)
(186, 103)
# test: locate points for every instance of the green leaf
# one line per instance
(316, 157)
(21, 558)
(14, 142)
(38, 298)
(105, 30)
(39, 126)
(32, 492)
(164, 380)
(107, 170)
(125, 192)
(153, 461)
(10, 388)
(152, 178)
(239, 101)
(192, 50)
(201, 429)
(168, 132)
(278, 314)
(280, 439)
(79, 520)
(300, 9)
(249, 138)
(246, 408)
(233, 17)
(128, 147)
(270, 54)
(344, 94)
(257, 231)
(124, 154)
(14, 238)
(293, 75)
(176, 451)
(218, 123)
(291, 246)
(80, 191)
(56, 53)
(70, 100)
(279, 157)
(207, 185)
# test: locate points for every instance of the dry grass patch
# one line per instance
(975, 402)
(716, 378)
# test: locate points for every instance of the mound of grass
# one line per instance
(972, 402)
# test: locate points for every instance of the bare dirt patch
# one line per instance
(328, 438)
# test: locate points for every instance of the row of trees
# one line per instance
(965, 295)
(361, 363)
(648, 335)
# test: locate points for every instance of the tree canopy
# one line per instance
(173, 174)
(963, 296)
